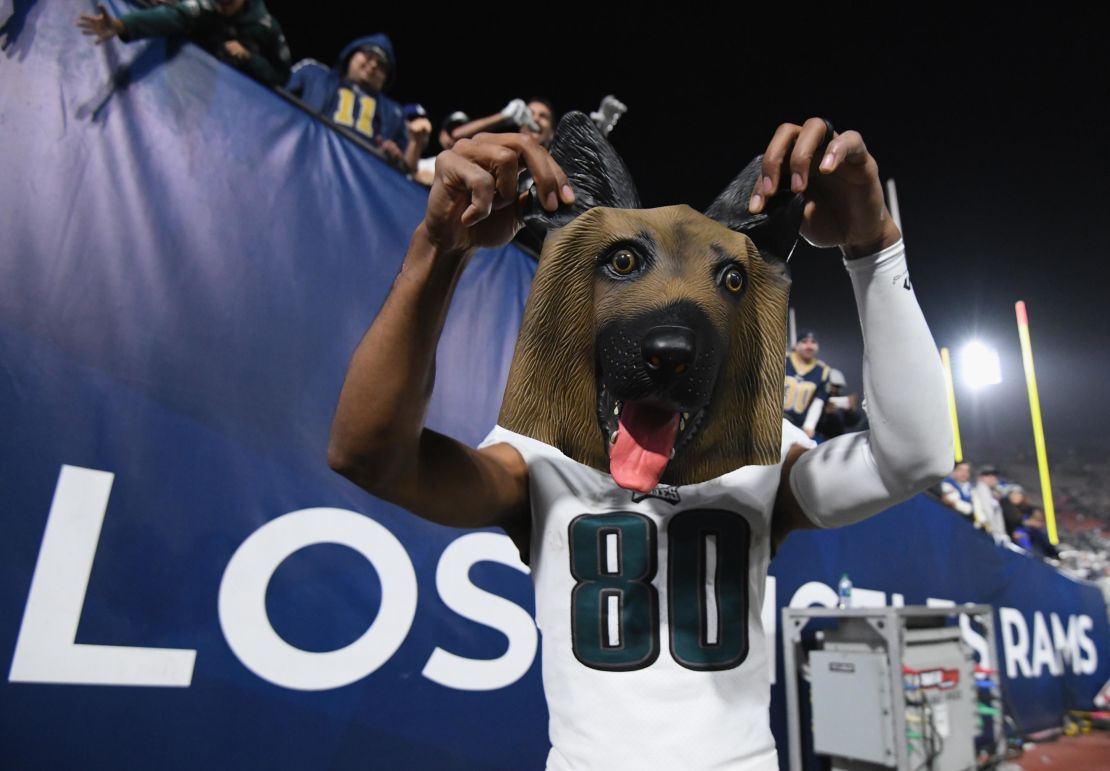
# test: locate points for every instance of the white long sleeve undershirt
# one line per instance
(909, 444)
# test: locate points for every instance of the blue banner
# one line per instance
(188, 261)
(1051, 631)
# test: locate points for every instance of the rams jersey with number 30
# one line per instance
(803, 383)
(654, 654)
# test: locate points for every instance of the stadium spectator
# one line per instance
(987, 509)
(955, 491)
(418, 124)
(542, 126)
(805, 387)
(842, 414)
(454, 120)
(535, 118)
(239, 32)
(1015, 509)
(352, 94)
(1034, 526)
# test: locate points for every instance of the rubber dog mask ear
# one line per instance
(652, 342)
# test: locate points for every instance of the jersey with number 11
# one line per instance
(653, 650)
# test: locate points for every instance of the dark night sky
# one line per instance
(991, 123)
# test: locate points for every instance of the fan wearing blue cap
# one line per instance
(805, 385)
(352, 94)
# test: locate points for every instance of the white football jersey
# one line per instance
(654, 655)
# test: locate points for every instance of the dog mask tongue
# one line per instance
(645, 439)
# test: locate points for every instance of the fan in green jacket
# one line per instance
(239, 32)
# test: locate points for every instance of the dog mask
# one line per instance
(652, 342)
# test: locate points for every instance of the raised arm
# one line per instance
(909, 444)
(378, 439)
(162, 21)
(272, 63)
(420, 131)
(513, 115)
(101, 25)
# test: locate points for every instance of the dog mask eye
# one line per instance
(732, 279)
(623, 262)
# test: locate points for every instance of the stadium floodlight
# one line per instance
(979, 365)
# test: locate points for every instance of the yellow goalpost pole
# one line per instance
(946, 361)
(1035, 411)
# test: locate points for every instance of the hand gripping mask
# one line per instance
(653, 339)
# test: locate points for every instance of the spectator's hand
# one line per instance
(420, 131)
(391, 151)
(236, 51)
(519, 113)
(809, 432)
(473, 201)
(845, 205)
(102, 25)
(608, 113)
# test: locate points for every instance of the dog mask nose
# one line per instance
(668, 351)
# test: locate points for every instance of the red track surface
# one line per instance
(1075, 753)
